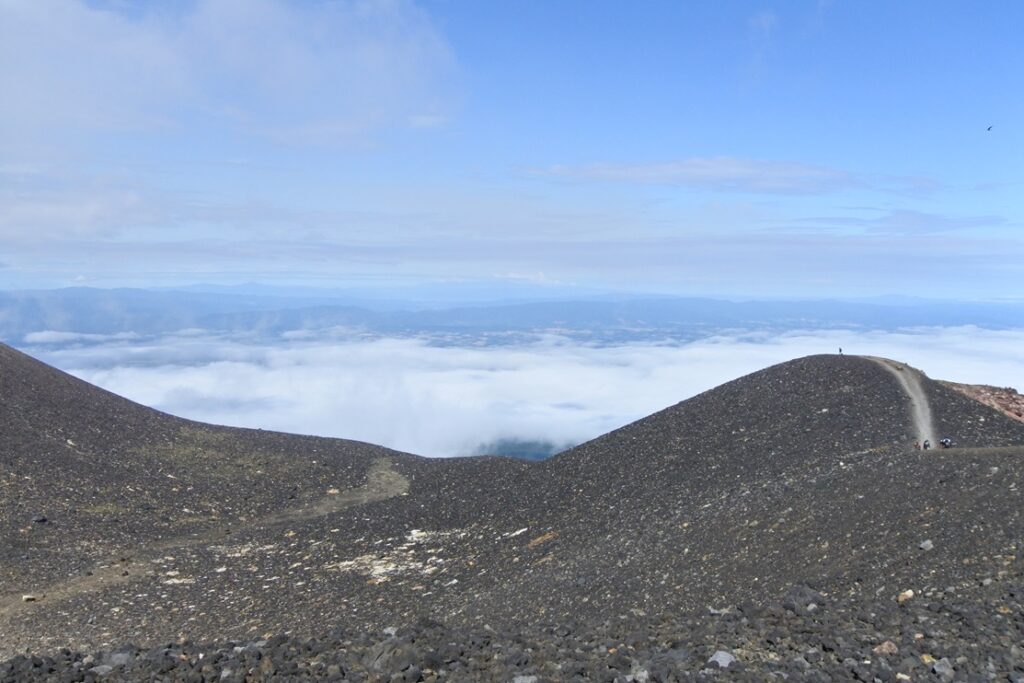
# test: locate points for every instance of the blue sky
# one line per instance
(719, 149)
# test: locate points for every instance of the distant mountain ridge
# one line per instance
(123, 523)
(146, 312)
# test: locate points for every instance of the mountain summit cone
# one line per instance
(802, 473)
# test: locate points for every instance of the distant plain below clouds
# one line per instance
(417, 396)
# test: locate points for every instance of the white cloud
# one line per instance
(54, 337)
(310, 72)
(434, 400)
(65, 63)
(315, 72)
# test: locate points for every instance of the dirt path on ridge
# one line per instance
(382, 482)
(920, 409)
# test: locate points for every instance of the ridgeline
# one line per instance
(782, 523)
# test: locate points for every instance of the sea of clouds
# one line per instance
(422, 397)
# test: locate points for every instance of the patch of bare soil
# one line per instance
(382, 483)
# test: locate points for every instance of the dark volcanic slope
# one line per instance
(801, 473)
(958, 417)
(109, 475)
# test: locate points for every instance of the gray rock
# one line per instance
(119, 659)
(802, 599)
(722, 658)
(390, 655)
(926, 545)
(525, 679)
(251, 647)
(944, 669)
(102, 669)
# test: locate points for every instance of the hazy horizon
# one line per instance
(818, 148)
(288, 178)
(496, 292)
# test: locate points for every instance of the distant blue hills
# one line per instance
(268, 313)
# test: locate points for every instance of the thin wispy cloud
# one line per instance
(298, 72)
(763, 23)
(720, 174)
(442, 400)
(762, 36)
(55, 337)
(762, 26)
(340, 141)
(786, 260)
(909, 222)
(92, 210)
(743, 175)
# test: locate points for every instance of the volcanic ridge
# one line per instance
(781, 526)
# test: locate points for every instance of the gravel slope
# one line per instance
(799, 477)
(920, 407)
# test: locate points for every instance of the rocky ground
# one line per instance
(777, 519)
(938, 635)
(1004, 399)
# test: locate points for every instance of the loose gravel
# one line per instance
(779, 527)
(942, 635)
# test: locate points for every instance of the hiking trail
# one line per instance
(920, 409)
(382, 482)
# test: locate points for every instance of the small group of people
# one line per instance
(945, 442)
